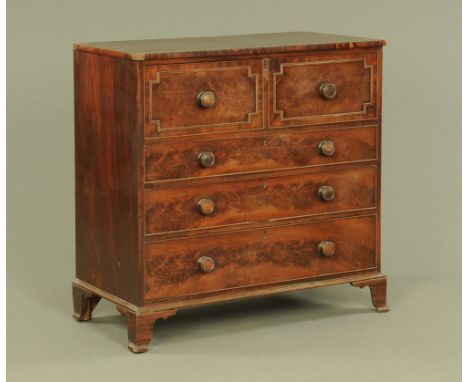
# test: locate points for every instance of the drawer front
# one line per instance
(237, 202)
(180, 267)
(203, 97)
(321, 89)
(279, 151)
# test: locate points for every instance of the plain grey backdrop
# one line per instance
(329, 334)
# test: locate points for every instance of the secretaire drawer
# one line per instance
(194, 265)
(255, 200)
(222, 156)
(324, 88)
(203, 97)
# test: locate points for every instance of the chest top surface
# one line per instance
(225, 45)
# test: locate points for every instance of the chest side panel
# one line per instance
(107, 161)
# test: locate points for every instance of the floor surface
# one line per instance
(327, 334)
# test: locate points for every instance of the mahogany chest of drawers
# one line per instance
(210, 169)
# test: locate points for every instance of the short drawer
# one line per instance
(255, 200)
(203, 97)
(279, 151)
(180, 267)
(320, 89)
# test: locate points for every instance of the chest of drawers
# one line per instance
(211, 169)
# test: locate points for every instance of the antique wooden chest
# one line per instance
(210, 169)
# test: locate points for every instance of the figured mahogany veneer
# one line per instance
(213, 169)
(297, 98)
(262, 153)
(240, 201)
(259, 256)
(174, 106)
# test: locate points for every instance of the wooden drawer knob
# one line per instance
(326, 148)
(327, 90)
(206, 264)
(327, 248)
(206, 206)
(206, 159)
(206, 99)
(326, 193)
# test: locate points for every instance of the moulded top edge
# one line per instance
(226, 45)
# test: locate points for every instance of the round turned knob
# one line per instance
(327, 90)
(206, 264)
(327, 248)
(206, 159)
(206, 206)
(326, 148)
(326, 193)
(206, 99)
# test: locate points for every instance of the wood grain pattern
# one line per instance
(84, 303)
(107, 178)
(234, 293)
(140, 126)
(238, 202)
(258, 257)
(296, 81)
(172, 97)
(201, 47)
(268, 152)
(140, 327)
(378, 289)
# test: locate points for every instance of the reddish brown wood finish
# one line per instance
(260, 153)
(378, 289)
(171, 97)
(242, 202)
(296, 81)
(107, 162)
(140, 327)
(261, 256)
(140, 125)
(84, 303)
(227, 46)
